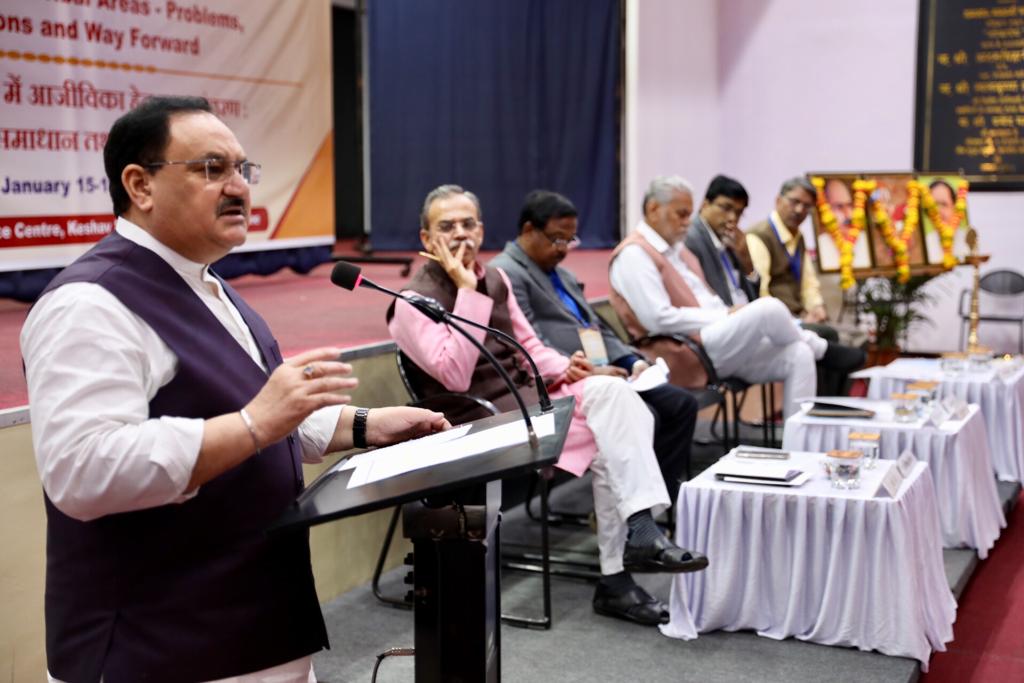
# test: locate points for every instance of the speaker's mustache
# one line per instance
(230, 205)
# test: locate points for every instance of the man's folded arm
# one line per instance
(762, 261)
(637, 279)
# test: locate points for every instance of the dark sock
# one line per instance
(642, 529)
(617, 584)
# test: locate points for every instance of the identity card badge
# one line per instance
(593, 345)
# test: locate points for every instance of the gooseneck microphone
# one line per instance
(349, 276)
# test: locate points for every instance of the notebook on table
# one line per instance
(822, 409)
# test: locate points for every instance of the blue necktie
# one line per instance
(564, 295)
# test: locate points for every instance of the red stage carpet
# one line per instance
(304, 311)
(988, 635)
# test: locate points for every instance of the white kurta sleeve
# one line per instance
(92, 368)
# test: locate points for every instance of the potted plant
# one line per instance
(894, 307)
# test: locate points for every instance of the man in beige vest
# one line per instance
(779, 256)
(658, 288)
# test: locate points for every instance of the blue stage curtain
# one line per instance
(27, 285)
(499, 97)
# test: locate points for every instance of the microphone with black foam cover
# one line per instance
(346, 275)
(349, 276)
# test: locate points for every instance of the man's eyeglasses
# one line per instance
(468, 224)
(561, 243)
(729, 208)
(798, 204)
(218, 170)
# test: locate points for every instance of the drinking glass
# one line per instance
(844, 468)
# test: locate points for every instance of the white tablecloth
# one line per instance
(957, 454)
(815, 563)
(1000, 395)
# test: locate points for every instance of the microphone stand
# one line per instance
(422, 303)
(433, 310)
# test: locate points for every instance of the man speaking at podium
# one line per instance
(611, 432)
(169, 433)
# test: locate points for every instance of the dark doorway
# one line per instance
(348, 133)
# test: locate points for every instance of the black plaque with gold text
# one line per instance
(970, 91)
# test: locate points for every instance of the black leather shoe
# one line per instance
(662, 556)
(635, 605)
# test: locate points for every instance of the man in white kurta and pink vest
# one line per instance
(611, 432)
(169, 433)
(658, 288)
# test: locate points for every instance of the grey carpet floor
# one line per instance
(587, 648)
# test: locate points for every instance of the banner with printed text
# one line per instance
(70, 68)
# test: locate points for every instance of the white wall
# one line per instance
(672, 108)
(765, 89)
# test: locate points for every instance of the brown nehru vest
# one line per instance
(685, 369)
(486, 383)
(783, 286)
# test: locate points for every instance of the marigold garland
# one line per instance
(898, 242)
(844, 240)
(918, 195)
(946, 231)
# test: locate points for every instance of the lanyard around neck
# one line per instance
(729, 269)
(794, 258)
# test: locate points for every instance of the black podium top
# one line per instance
(329, 498)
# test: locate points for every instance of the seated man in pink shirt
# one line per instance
(611, 433)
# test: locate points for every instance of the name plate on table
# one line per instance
(956, 407)
(937, 415)
(905, 463)
(894, 478)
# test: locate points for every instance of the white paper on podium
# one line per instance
(430, 439)
(428, 451)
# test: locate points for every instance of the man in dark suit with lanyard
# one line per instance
(718, 243)
(785, 272)
(552, 299)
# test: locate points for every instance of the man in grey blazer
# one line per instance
(718, 243)
(552, 300)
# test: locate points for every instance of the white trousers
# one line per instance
(761, 342)
(626, 478)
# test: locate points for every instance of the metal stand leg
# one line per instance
(735, 419)
(545, 621)
(457, 589)
(379, 569)
(766, 415)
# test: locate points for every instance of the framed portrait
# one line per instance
(943, 189)
(891, 193)
(838, 193)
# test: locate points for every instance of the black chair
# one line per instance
(1005, 284)
(723, 392)
(540, 562)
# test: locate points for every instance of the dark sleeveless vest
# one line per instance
(486, 383)
(783, 285)
(194, 591)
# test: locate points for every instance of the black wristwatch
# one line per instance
(359, 427)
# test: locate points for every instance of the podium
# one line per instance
(453, 519)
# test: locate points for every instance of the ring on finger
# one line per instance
(309, 372)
